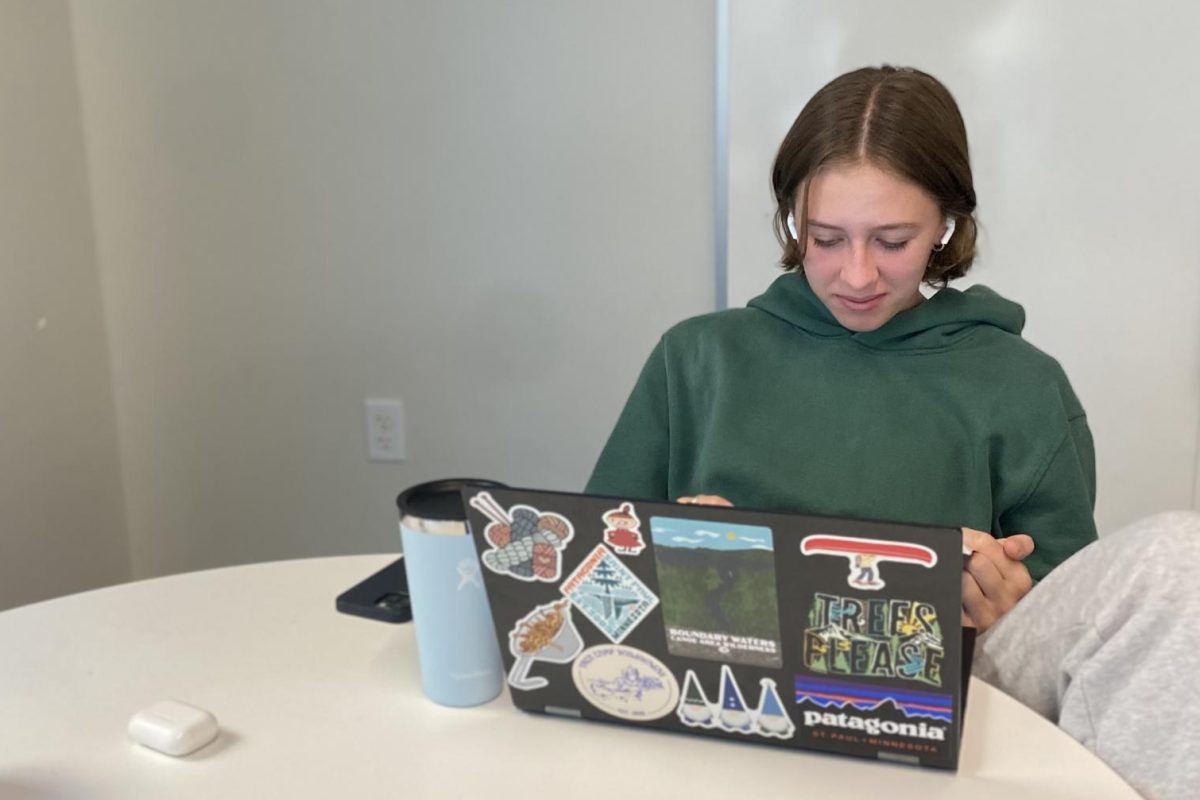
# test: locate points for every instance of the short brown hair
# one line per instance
(901, 120)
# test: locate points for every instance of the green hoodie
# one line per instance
(944, 416)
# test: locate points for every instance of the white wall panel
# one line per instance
(1084, 122)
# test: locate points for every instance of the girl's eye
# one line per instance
(826, 242)
(894, 246)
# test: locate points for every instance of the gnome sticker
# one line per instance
(734, 716)
(730, 712)
(621, 531)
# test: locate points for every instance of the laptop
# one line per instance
(817, 633)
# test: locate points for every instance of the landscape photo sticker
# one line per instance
(717, 588)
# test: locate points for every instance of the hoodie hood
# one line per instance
(938, 323)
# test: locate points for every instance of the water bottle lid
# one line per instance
(436, 506)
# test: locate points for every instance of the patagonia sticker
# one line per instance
(525, 543)
(545, 634)
(625, 682)
(828, 693)
(889, 719)
(608, 593)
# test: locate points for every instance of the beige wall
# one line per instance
(491, 210)
(61, 528)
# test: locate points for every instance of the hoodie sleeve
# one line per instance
(1057, 513)
(635, 461)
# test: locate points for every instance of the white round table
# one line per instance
(313, 703)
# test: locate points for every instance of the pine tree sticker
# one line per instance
(606, 576)
(608, 593)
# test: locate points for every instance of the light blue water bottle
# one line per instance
(456, 643)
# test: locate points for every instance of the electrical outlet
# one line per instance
(385, 429)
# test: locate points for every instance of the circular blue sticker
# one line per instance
(625, 682)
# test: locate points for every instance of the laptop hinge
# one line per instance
(899, 758)
(564, 712)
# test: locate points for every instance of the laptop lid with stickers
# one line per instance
(819, 633)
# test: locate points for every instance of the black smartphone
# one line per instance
(383, 596)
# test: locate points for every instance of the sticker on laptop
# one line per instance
(625, 682)
(866, 555)
(608, 593)
(525, 543)
(695, 710)
(770, 715)
(829, 693)
(874, 637)
(880, 717)
(733, 716)
(622, 530)
(717, 585)
(730, 713)
(545, 634)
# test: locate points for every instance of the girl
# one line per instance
(841, 390)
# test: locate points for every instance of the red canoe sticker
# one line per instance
(865, 555)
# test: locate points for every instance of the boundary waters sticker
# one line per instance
(608, 593)
(717, 585)
(625, 682)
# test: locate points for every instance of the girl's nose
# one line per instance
(859, 271)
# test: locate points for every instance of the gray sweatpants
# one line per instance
(1108, 647)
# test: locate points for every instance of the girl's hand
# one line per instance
(706, 500)
(993, 577)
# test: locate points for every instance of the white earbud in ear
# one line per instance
(791, 226)
(950, 223)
